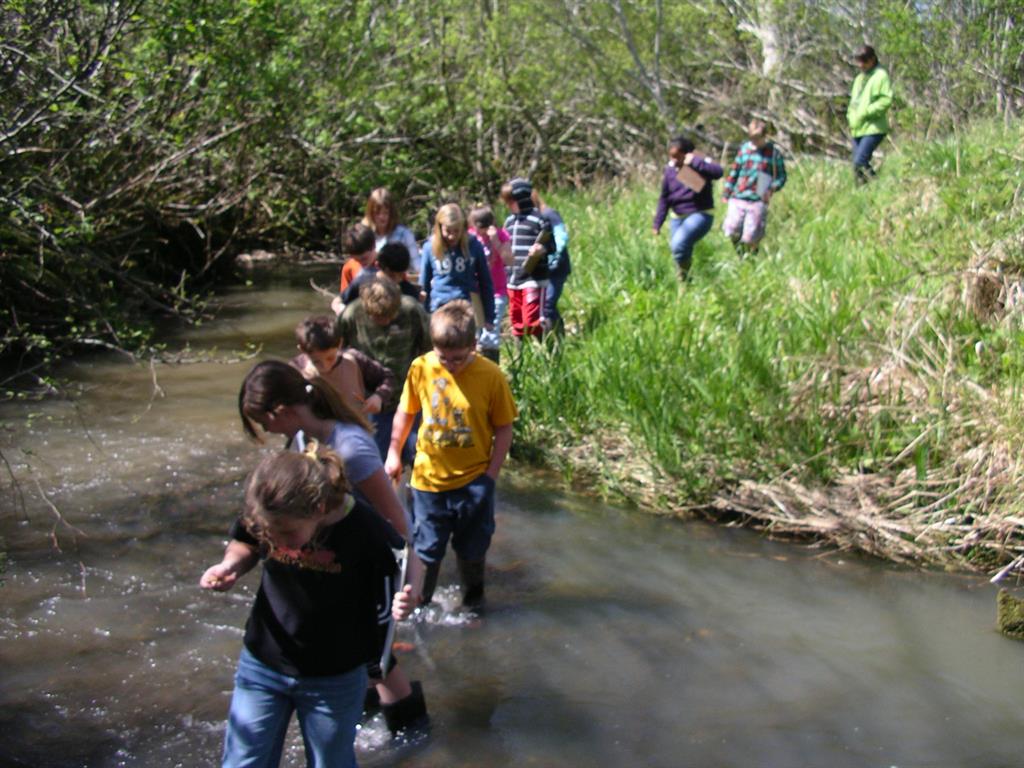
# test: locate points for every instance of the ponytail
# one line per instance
(327, 403)
(288, 485)
(273, 383)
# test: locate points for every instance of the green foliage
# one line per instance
(142, 142)
(846, 344)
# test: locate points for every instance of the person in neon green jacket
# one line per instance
(870, 100)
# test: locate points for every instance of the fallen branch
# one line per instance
(1014, 565)
(326, 293)
(158, 391)
(15, 485)
(61, 520)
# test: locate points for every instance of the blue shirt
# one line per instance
(357, 450)
(558, 262)
(455, 275)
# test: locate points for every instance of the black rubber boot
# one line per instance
(433, 570)
(472, 574)
(494, 355)
(410, 712)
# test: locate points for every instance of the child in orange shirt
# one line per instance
(360, 245)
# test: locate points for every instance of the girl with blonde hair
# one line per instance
(454, 266)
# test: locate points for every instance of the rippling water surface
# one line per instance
(612, 638)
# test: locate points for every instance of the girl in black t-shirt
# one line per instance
(313, 625)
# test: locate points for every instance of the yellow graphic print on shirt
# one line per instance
(446, 423)
(322, 560)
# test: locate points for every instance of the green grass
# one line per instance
(762, 365)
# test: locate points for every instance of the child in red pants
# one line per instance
(532, 242)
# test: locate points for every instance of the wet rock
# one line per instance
(256, 257)
(1010, 613)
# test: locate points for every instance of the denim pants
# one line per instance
(465, 515)
(551, 296)
(328, 710)
(500, 309)
(863, 148)
(685, 233)
(492, 339)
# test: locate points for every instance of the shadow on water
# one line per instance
(610, 638)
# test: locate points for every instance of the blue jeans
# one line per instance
(551, 296)
(465, 514)
(492, 339)
(685, 233)
(328, 709)
(500, 310)
(863, 148)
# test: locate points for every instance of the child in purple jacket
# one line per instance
(689, 210)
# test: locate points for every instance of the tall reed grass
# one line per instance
(856, 343)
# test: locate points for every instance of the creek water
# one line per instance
(611, 637)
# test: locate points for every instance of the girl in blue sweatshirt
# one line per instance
(454, 266)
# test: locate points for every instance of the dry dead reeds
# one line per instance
(954, 514)
(953, 518)
(951, 510)
(993, 284)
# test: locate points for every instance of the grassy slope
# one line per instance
(851, 366)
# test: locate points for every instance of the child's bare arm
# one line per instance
(502, 247)
(380, 493)
(502, 442)
(400, 429)
(239, 559)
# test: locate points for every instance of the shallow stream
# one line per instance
(613, 638)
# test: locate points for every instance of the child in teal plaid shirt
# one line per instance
(757, 173)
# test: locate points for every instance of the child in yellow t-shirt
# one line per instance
(462, 443)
